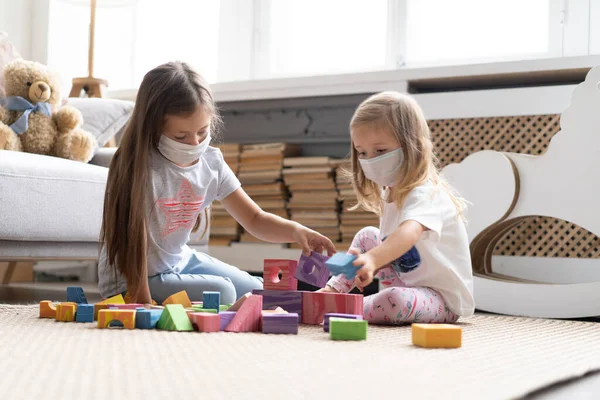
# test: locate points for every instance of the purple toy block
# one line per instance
(313, 270)
(337, 315)
(226, 317)
(289, 300)
(280, 323)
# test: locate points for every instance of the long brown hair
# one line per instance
(405, 118)
(169, 89)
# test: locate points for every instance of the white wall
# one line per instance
(26, 22)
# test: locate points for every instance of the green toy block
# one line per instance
(174, 318)
(210, 310)
(347, 329)
(224, 307)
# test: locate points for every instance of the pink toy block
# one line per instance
(236, 306)
(130, 306)
(316, 304)
(205, 322)
(272, 268)
(248, 317)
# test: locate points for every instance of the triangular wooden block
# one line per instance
(174, 318)
(248, 317)
(118, 299)
(236, 306)
(179, 298)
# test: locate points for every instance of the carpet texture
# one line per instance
(501, 358)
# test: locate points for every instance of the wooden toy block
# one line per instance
(205, 322)
(125, 317)
(272, 268)
(338, 315)
(347, 329)
(224, 307)
(280, 323)
(85, 313)
(102, 305)
(47, 309)
(236, 306)
(316, 304)
(65, 312)
(178, 298)
(128, 306)
(433, 336)
(225, 319)
(248, 318)
(341, 263)
(211, 300)
(147, 319)
(313, 270)
(174, 318)
(75, 294)
(290, 301)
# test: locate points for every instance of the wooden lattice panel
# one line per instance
(455, 139)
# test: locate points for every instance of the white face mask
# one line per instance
(181, 153)
(383, 170)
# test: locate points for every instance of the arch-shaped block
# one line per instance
(125, 317)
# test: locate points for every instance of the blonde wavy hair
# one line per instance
(405, 118)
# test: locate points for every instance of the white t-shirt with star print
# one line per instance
(176, 196)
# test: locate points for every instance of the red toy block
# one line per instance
(205, 322)
(272, 268)
(248, 317)
(316, 304)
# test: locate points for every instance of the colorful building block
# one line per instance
(290, 301)
(280, 323)
(65, 312)
(434, 336)
(211, 300)
(118, 299)
(312, 269)
(205, 322)
(129, 306)
(338, 315)
(316, 304)
(225, 318)
(146, 319)
(178, 298)
(85, 313)
(224, 307)
(75, 294)
(341, 263)
(248, 318)
(272, 268)
(126, 318)
(276, 310)
(236, 306)
(174, 318)
(347, 329)
(196, 303)
(47, 309)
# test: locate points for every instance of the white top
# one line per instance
(176, 196)
(444, 249)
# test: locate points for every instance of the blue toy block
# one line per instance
(146, 319)
(341, 263)
(75, 295)
(211, 300)
(84, 313)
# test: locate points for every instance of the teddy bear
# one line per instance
(32, 120)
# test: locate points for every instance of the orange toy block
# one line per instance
(118, 299)
(248, 317)
(126, 317)
(236, 306)
(47, 309)
(287, 268)
(434, 336)
(179, 298)
(65, 312)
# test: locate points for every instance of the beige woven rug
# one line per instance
(501, 358)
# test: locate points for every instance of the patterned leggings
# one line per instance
(396, 304)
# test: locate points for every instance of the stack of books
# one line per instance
(231, 154)
(350, 221)
(261, 176)
(314, 197)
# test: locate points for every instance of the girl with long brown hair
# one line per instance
(161, 181)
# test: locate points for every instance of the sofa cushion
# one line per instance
(46, 198)
(103, 118)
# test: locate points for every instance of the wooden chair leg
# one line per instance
(9, 272)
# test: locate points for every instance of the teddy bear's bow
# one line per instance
(17, 103)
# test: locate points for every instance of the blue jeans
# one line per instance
(204, 273)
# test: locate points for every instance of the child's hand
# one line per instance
(328, 289)
(311, 240)
(366, 271)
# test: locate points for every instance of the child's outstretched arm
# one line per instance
(394, 246)
(272, 228)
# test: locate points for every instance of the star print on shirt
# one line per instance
(182, 210)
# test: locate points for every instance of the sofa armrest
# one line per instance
(103, 156)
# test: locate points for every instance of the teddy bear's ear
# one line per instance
(15, 66)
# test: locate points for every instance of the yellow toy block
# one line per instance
(47, 309)
(65, 312)
(126, 317)
(118, 299)
(179, 298)
(434, 336)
